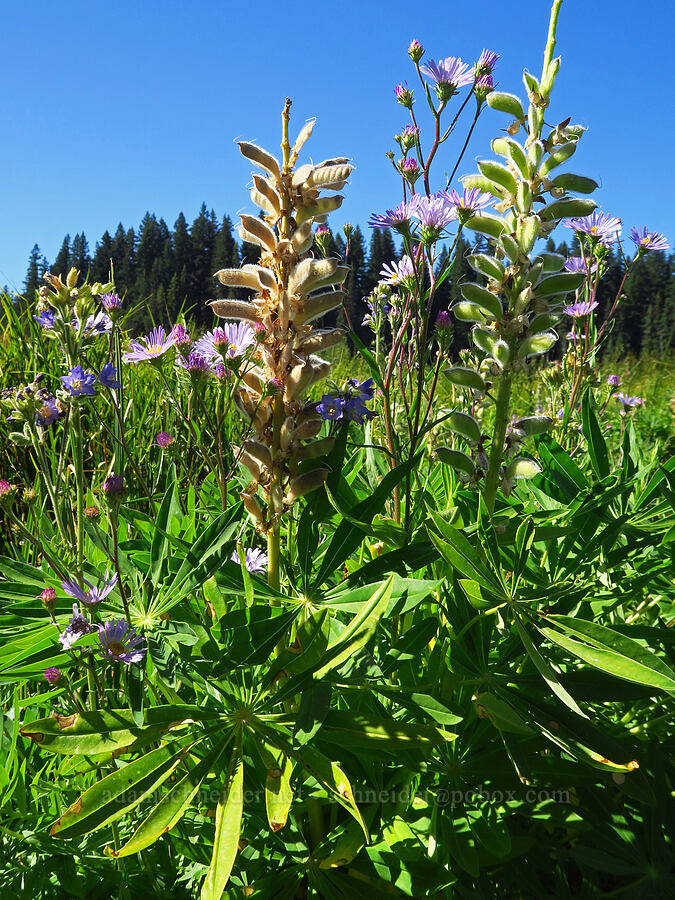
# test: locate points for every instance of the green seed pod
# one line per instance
(535, 154)
(303, 238)
(485, 340)
(510, 247)
(548, 79)
(562, 283)
(234, 309)
(518, 157)
(485, 224)
(524, 197)
(560, 155)
(319, 210)
(500, 174)
(552, 262)
(465, 377)
(543, 322)
(487, 301)
(502, 353)
(531, 83)
(500, 146)
(577, 183)
(537, 344)
(487, 265)
(534, 425)
(507, 103)
(522, 467)
(567, 209)
(471, 312)
(528, 234)
(483, 184)
(464, 425)
(259, 451)
(458, 460)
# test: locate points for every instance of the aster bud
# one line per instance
(404, 95)
(114, 489)
(48, 598)
(415, 50)
(53, 675)
(7, 492)
(92, 513)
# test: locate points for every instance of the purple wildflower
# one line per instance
(486, 63)
(580, 308)
(322, 229)
(98, 323)
(356, 410)
(181, 336)
(111, 302)
(470, 201)
(408, 137)
(78, 382)
(443, 319)
(648, 240)
(53, 675)
(579, 264)
(156, 344)
(108, 376)
(397, 272)
(256, 560)
(7, 490)
(46, 319)
(484, 86)
(448, 75)
(434, 213)
(614, 380)
(90, 596)
(363, 389)
(220, 372)
(331, 408)
(75, 629)
(48, 598)
(629, 402)
(599, 226)
(113, 487)
(403, 94)
(164, 440)
(415, 50)
(195, 364)
(47, 413)
(230, 341)
(119, 643)
(410, 169)
(398, 218)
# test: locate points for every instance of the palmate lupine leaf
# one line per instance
(228, 826)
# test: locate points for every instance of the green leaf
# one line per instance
(160, 537)
(228, 827)
(597, 447)
(456, 549)
(369, 732)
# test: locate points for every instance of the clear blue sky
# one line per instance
(110, 109)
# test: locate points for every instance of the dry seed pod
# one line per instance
(261, 232)
(263, 187)
(261, 158)
(320, 339)
(253, 507)
(320, 209)
(238, 278)
(305, 483)
(234, 309)
(317, 306)
(259, 451)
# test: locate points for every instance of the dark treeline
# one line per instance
(168, 271)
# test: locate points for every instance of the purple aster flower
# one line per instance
(98, 323)
(119, 643)
(256, 560)
(409, 136)
(486, 63)
(47, 413)
(239, 338)
(48, 598)
(220, 372)
(331, 408)
(111, 302)
(181, 336)
(403, 94)
(484, 86)
(75, 629)
(195, 364)
(410, 169)
(398, 218)
(108, 376)
(470, 201)
(600, 226)
(614, 380)
(156, 344)
(46, 319)
(53, 675)
(579, 264)
(78, 382)
(434, 213)
(7, 490)
(629, 402)
(90, 596)
(322, 229)
(443, 319)
(415, 50)
(448, 75)
(164, 440)
(580, 308)
(397, 272)
(648, 240)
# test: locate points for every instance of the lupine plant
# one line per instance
(277, 625)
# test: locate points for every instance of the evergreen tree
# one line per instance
(62, 261)
(37, 266)
(100, 264)
(79, 255)
(354, 287)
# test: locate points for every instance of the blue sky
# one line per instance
(111, 109)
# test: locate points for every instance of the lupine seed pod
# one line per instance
(303, 484)
(261, 158)
(253, 507)
(464, 425)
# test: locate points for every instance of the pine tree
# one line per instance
(100, 264)
(79, 255)
(37, 266)
(354, 303)
(62, 262)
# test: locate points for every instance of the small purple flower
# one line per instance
(90, 596)
(579, 264)
(46, 319)
(356, 411)
(156, 344)
(581, 308)
(181, 336)
(75, 629)
(486, 63)
(396, 273)
(164, 440)
(443, 320)
(403, 94)
(53, 675)
(78, 382)
(230, 341)
(220, 372)
(256, 560)
(322, 229)
(47, 413)
(113, 487)
(410, 169)
(629, 402)
(415, 50)
(614, 380)
(195, 364)
(111, 302)
(469, 202)
(119, 643)
(398, 218)
(7, 490)
(48, 598)
(108, 376)
(599, 226)
(448, 75)
(648, 240)
(434, 213)
(362, 389)
(98, 323)
(331, 408)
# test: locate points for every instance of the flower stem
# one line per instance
(78, 463)
(499, 433)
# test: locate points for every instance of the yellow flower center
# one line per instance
(77, 384)
(116, 648)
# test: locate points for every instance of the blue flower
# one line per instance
(331, 408)
(46, 319)
(90, 596)
(108, 376)
(78, 382)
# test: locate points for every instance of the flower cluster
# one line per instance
(350, 404)
(79, 383)
(434, 213)
(90, 595)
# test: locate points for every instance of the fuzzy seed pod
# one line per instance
(253, 507)
(234, 309)
(305, 483)
(261, 158)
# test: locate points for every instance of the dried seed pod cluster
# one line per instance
(292, 290)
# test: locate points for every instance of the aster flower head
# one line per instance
(600, 227)
(398, 218)
(108, 376)
(48, 598)
(46, 319)
(408, 137)
(256, 560)
(153, 346)
(111, 302)
(221, 372)
(119, 643)
(648, 240)
(448, 75)
(484, 85)
(75, 629)
(581, 308)
(90, 596)
(7, 492)
(415, 50)
(614, 380)
(579, 264)
(52, 675)
(79, 383)
(181, 336)
(97, 323)
(443, 320)
(486, 63)
(331, 408)
(410, 170)
(468, 203)
(628, 402)
(434, 213)
(114, 488)
(195, 364)
(396, 273)
(404, 95)
(164, 440)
